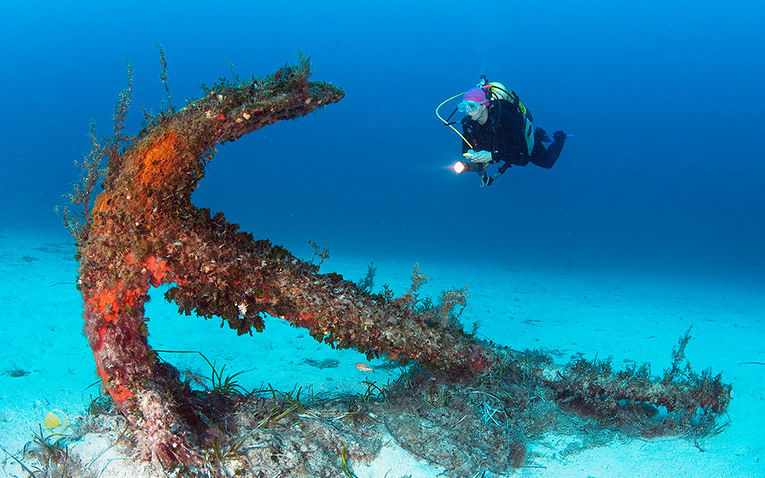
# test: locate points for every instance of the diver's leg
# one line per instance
(546, 157)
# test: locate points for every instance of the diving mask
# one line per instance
(467, 106)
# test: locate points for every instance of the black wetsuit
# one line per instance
(503, 136)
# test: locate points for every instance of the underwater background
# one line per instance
(653, 218)
(663, 175)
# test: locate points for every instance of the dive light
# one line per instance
(461, 166)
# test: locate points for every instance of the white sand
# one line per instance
(629, 317)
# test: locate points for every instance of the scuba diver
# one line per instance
(497, 128)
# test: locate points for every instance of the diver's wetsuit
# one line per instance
(503, 136)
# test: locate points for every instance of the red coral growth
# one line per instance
(158, 270)
(478, 360)
(159, 163)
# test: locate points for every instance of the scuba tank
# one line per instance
(497, 91)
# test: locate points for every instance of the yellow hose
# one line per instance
(447, 123)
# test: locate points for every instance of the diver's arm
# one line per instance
(467, 132)
(480, 157)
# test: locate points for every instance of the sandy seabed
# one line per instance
(46, 364)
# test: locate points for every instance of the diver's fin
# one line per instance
(561, 136)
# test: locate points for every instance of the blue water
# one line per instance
(664, 172)
(663, 177)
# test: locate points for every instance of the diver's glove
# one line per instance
(483, 157)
